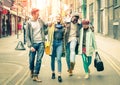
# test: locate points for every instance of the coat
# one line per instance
(29, 34)
(67, 32)
(51, 36)
(90, 42)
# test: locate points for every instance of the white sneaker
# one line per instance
(86, 76)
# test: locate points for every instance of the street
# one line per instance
(14, 65)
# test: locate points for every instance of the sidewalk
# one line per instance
(10, 59)
(109, 46)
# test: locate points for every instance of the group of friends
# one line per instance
(68, 36)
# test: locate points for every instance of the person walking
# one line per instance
(71, 41)
(35, 41)
(24, 29)
(57, 33)
(87, 45)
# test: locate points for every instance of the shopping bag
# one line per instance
(98, 63)
(47, 47)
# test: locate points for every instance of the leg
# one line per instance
(59, 55)
(72, 53)
(89, 60)
(85, 64)
(40, 52)
(68, 55)
(31, 62)
(53, 61)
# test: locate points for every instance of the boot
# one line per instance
(72, 64)
(70, 72)
(35, 78)
(59, 79)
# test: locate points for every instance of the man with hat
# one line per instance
(71, 40)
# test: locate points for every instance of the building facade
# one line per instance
(11, 12)
(105, 16)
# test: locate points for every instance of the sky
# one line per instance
(39, 3)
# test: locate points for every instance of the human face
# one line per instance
(36, 15)
(74, 20)
(85, 26)
(58, 19)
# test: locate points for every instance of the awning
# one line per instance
(13, 12)
(5, 7)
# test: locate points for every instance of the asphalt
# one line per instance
(108, 48)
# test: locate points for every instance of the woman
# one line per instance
(87, 46)
(57, 33)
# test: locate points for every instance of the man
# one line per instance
(71, 41)
(24, 29)
(35, 40)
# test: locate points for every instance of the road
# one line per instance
(14, 66)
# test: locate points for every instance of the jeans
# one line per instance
(39, 47)
(86, 62)
(57, 52)
(73, 44)
(68, 55)
(70, 52)
(24, 34)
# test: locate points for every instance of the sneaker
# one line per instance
(70, 73)
(59, 79)
(86, 76)
(53, 75)
(35, 78)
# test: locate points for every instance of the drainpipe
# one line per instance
(83, 9)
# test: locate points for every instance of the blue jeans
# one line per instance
(39, 47)
(70, 52)
(68, 55)
(57, 52)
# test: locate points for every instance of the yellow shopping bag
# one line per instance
(47, 47)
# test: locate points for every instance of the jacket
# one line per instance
(90, 42)
(29, 32)
(67, 32)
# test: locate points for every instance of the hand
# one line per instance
(32, 49)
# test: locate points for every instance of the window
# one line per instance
(116, 3)
(91, 13)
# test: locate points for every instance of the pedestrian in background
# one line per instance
(57, 33)
(24, 29)
(87, 45)
(35, 40)
(19, 26)
(71, 41)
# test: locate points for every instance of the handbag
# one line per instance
(47, 47)
(98, 64)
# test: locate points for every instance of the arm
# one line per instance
(94, 41)
(28, 35)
